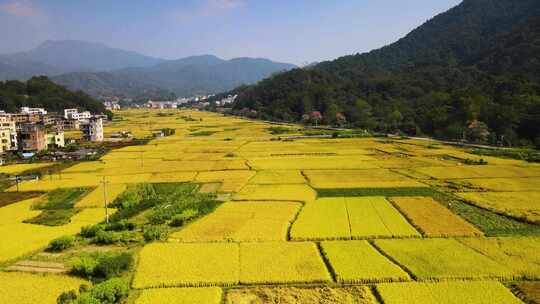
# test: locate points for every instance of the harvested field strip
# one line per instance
(359, 262)
(294, 295)
(443, 259)
(522, 255)
(432, 218)
(487, 292)
(210, 295)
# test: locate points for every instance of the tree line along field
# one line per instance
(225, 212)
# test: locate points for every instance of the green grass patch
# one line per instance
(58, 207)
(203, 133)
(489, 222)
(8, 198)
(530, 155)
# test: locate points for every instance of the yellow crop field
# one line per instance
(242, 221)
(281, 262)
(210, 295)
(378, 178)
(309, 295)
(440, 259)
(521, 254)
(375, 217)
(95, 199)
(483, 292)
(359, 262)
(324, 219)
(187, 265)
(433, 219)
(525, 205)
(460, 172)
(231, 181)
(29, 237)
(20, 168)
(172, 177)
(301, 193)
(23, 288)
(278, 177)
(314, 162)
(504, 184)
(350, 217)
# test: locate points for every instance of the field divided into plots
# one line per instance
(311, 220)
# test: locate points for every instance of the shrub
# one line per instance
(67, 297)
(121, 225)
(61, 243)
(106, 237)
(111, 291)
(91, 231)
(180, 219)
(84, 266)
(154, 233)
(113, 265)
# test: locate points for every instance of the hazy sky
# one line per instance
(295, 31)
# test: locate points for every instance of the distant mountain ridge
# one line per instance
(100, 70)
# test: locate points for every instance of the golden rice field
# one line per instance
(521, 255)
(443, 259)
(242, 222)
(337, 220)
(187, 265)
(432, 218)
(359, 262)
(281, 262)
(525, 205)
(350, 218)
(22, 288)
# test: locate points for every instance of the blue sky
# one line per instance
(296, 31)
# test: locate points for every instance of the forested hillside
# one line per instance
(471, 67)
(41, 92)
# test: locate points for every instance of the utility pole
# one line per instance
(104, 183)
(17, 182)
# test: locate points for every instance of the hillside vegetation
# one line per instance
(478, 62)
(41, 92)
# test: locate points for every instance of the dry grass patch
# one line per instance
(433, 219)
(281, 262)
(359, 262)
(210, 295)
(440, 259)
(187, 265)
(292, 295)
(488, 292)
(242, 221)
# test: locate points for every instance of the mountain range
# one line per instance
(103, 71)
(478, 62)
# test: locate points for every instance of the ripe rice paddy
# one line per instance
(308, 217)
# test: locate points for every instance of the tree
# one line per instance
(362, 115)
(341, 119)
(315, 117)
(330, 113)
(477, 131)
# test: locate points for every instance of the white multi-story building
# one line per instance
(74, 114)
(8, 135)
(93, 129)
(27, 110)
